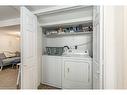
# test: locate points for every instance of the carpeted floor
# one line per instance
(8, 78)
(44, 86)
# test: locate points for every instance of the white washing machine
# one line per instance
(77, 71)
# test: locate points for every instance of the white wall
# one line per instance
(71, 41)
(66, 15)
(9, 43)
(68, 40)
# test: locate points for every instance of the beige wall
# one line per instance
(9, 43)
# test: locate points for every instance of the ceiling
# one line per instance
(10, 30)
(9, 12)
(52, 9)
(35, 8)
(12, 12)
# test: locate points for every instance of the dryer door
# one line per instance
(77, 74)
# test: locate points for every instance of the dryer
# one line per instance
(77, 71)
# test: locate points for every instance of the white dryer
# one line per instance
(77, 71)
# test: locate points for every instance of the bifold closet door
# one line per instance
(29, 74)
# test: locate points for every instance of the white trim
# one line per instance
(55, 9)
(10, 22)
(101, 47)
(21, 46)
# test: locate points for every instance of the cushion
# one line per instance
(17, 54)
(9, 54)
(2, 56)
(10, 60)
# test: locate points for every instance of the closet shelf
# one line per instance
(68, 34)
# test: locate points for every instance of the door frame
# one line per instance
(108, 62)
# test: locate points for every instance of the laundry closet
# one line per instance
(69, 44)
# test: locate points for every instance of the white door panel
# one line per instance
(29, 49)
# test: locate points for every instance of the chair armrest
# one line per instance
(1, 62)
